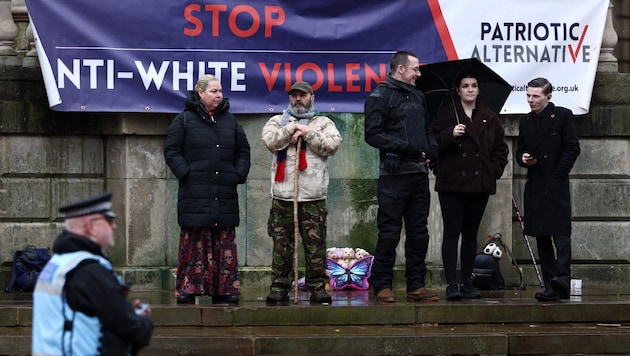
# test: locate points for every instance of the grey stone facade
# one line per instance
(49, 158)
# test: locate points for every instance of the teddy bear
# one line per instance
(360, 253)
(331, 253)
(345, 264)
(348, 253)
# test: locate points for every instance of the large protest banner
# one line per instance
(131, 56)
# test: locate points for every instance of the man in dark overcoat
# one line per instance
(548, 147)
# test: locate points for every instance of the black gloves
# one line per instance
(411, 151)
(391, 162)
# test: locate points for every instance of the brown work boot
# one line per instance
(422, 295)
(385, 296)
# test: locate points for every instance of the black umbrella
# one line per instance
(438, 82)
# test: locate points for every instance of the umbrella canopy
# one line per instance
(438, 84)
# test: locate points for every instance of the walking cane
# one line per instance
(529, 247)
(296, 226)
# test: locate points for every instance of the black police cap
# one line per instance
(100, 204)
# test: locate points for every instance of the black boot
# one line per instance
(468, 290)
(452, 292)
(561, 287)
(548, 295)
(186, 299)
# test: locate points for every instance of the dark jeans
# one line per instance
(556, 264)
(461, 214)
(401, 197)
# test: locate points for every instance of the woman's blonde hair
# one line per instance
(203, 81)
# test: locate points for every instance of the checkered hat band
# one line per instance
(93, 209)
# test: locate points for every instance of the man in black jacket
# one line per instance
(396, 124)
(548, 147)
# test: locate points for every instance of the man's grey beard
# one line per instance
(299, 109)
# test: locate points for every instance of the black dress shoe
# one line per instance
(452, 292)
(549, 295)
(468, 290)
(186, 299)
(232, 299)
(561, 287)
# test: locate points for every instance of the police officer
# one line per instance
(79, 305)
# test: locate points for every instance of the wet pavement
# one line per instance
(250, 298)
(508, 322)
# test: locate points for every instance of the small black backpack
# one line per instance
(487, 273)
(27, 264)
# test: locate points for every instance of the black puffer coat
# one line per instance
(210, 157)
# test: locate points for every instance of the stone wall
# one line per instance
(622, 26)
(49, 158)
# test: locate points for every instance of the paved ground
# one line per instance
(250, 298)
(509, 322)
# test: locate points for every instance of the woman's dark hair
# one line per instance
(463, 75)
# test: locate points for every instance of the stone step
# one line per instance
(472, 313)
(434, 339)
(426, 339)
(594, 274)
(500, 323)
(360, 308)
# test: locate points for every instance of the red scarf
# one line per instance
(281, 160)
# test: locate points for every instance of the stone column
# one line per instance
(607, 61)
(30, 59)
(8, 33)
(135, 171)
(2, 194)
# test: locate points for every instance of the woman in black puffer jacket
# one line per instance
(207, 150)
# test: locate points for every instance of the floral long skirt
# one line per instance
(207, 263)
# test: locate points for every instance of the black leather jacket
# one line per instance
(396, 122)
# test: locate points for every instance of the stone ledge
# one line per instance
(519, 339)
(593, 275)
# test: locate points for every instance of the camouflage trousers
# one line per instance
(312, 226)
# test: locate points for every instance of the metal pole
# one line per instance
(529, 247)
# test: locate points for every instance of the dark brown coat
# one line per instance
(471, 163)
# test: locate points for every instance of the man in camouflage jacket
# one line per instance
(318, 138)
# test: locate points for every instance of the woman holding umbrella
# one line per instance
(472, 156)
